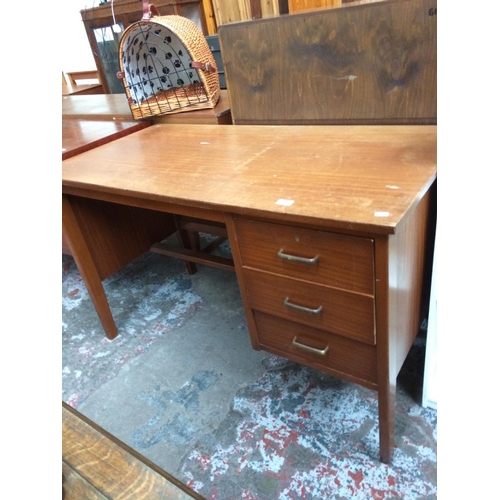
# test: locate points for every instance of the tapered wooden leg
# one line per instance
(386, 365)
(87, 268)
(386, 415)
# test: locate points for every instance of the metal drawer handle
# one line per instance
(294, 258)
(291, 305)
(319, 352)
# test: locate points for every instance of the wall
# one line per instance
(75, 54)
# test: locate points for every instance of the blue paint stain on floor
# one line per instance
(148, 299)
(175, 411)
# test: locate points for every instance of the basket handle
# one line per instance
(148, 10)
(204, 66)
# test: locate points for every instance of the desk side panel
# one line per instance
(410, 264)
(117, 234)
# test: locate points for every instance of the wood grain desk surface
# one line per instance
(355, 178)
(97, 466)
(115, 106)
(81, 135)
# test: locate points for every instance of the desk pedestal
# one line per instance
(348, 304)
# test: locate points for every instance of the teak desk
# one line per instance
(328, 226)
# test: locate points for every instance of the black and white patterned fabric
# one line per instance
(154, 59)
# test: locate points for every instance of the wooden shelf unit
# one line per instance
(125, 13)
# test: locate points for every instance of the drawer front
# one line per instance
(345, 262)
(346, 358)
(344, 313)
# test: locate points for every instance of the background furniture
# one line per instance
(82, 89)
(97, 107)
(96, 465)
(209, 15)
(76, 77)
(297, 5)
(115, 107)
(104, 26)
(81, 135)
(330, 261)
(241, 10)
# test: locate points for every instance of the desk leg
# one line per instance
(386, 369)
(87, 268)
(386, 415)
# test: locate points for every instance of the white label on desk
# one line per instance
(204, 143)
(285, 203)
(382, 214)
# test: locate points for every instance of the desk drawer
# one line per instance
(341, 261)
(344, 313)
(346, 358)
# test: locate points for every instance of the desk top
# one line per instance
(115, 106)
(355, 178)
(81, 135)
(97, 465)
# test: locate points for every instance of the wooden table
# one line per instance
(82, 89)
(97, 466)
(329, 228)
(82, 135)
(115, 106)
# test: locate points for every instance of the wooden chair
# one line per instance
(190, 249)
(82, 76)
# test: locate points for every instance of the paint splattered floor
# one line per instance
(182, 385)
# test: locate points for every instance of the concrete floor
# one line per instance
(181, 388)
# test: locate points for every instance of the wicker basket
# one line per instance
(167, 66)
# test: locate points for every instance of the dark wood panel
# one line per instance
(360, 63)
